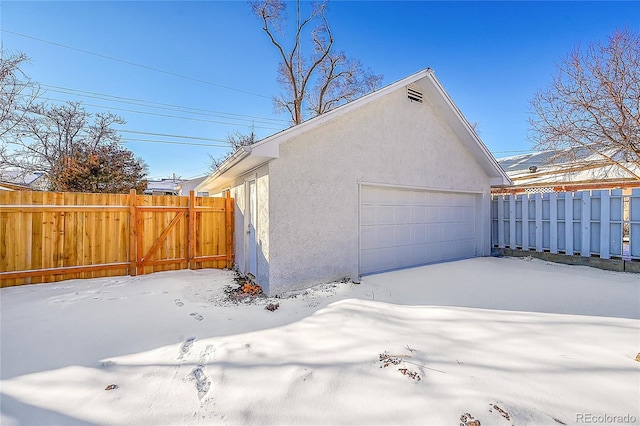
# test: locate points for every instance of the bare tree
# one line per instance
(323, 79)
(17, 92)
(593, 104)
(54, 139)
(236, 141)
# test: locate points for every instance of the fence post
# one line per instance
(585, 225)
(512, 221)
(191, 233)
(501, 242)
(133, 225)
(553, 222)
(139, 241)
(228, 222)
(605, 224)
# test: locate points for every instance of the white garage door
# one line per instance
(401, 228)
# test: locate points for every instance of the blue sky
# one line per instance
(205, 69)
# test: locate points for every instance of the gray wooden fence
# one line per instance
(588, 223)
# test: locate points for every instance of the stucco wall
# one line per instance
(314, 183)
(239, 191)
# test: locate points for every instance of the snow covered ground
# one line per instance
(499, 340)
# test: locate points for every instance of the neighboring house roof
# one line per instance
(20, 178)
(587, 170)
(8, 186)
(249, 157)
(165, 186)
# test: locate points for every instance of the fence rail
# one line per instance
(589, 223)
(53, 236)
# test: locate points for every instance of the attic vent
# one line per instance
(533, 169)
(414, 94)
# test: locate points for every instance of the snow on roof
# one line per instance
(19, 177)
(539, 168)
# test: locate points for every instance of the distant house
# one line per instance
(187, 186)
(169, 186)
(536, 172)
(19, 180)
(397, 178)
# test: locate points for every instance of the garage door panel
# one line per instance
(385, 214)
(368, 215)
(403, 214)
(402, 228)
(419, 233)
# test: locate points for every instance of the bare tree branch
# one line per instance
(320, 80)
(593, 104)
(17, 92)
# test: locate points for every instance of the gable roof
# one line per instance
(250, 157)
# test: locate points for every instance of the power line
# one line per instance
(135, 64)
(142, 102)
(169, 116)
(174, 136)
(174, 142)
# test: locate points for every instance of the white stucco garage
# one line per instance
(394, 179)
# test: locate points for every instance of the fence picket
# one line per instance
(512, 223)
(538, 210)
(568, 223)
(553, 222)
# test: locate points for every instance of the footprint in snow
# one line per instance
(196, 316)
(186, 346)
(179, 303)
(203, 384)
(206, 353)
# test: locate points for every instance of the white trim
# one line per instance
(359, 230)
(247, 224)
(418, 188)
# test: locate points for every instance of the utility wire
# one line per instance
(174, 136)
(135, 65)
(174, 142)
(142, 102)
(170, 116)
